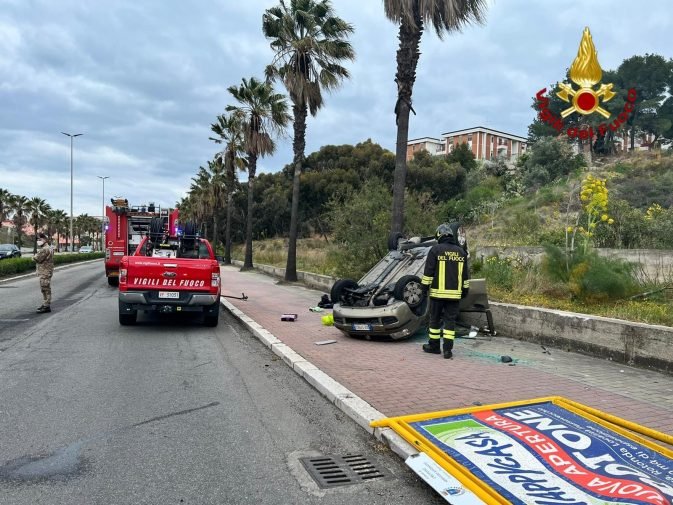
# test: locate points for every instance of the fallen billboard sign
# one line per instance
(545, 451)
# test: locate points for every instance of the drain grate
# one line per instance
(333, 471)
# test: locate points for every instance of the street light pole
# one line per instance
(102, 228)
(72, 238)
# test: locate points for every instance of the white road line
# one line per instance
(13, 320)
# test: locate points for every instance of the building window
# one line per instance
(469, 137)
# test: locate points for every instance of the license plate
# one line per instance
(362, 327)
(169, 294)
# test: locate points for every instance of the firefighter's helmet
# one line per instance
(444, 230)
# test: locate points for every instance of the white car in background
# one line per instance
(85, 249)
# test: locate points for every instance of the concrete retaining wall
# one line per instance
(645, 345)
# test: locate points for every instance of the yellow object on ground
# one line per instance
(328, 320)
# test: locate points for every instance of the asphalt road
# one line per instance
(164, 412)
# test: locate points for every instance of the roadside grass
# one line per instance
(313, 254)
(642, 311)
(523, 286)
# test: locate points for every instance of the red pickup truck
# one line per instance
(166, 277)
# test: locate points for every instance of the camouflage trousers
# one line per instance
(45, 287)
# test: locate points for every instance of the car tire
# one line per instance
(338, 288)
(394, 240)
(113, 281)
(128, 319)
(211, 315)
(408, 289)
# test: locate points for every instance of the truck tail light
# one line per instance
(122, 275)
(107, 254)
(215, 281)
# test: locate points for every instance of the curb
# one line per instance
(345, 400)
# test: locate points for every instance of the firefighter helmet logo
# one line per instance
(586, 73)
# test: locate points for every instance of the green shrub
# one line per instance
(589, 277)
(498, 272)
(598, 279)
(26, 264)
(16, 266)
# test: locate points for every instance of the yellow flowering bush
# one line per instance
(594, 199)
(654, 211)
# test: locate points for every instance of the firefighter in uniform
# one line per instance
(446, 279)
(45, 269)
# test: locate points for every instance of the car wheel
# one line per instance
(128, 319)
(113, 281)
(338, 289)
(394, 240)
(211, 315)
(408, 289)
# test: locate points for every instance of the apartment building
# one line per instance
(485, 143)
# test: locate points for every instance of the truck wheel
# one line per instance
(393, 240)
(127, 319)
(408, 289)
(113, 281)
(211, 315)
(338, 289)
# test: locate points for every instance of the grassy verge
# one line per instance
(25, 264)
(641, 311)
(314, 255)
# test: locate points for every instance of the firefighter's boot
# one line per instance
(448, 348)
(432, 346)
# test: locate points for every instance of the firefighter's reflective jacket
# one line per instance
(446, 271)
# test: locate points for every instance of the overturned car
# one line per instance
(388, 300)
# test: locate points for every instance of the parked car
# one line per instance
(388, 300)
(85, 249)
(9, 251)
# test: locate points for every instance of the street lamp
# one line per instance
(102, 236)
(72, 238)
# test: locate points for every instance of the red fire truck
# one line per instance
(125, 228)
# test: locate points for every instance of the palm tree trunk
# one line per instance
(215, 237)
(229, 163)
(35, 224)
(298, 145)
(252, 168)
(407, 60)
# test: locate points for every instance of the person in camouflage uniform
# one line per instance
(45, 269)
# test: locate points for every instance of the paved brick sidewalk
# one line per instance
(397, 378)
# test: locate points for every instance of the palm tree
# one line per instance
(5, 197)
(310, 43)
(265, 115)
(19, 206)
(201, 197)
(229, 131)
(444, 16)
(38, 209)
(57, 220)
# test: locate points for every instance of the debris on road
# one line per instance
(288, 317)
(325, 342)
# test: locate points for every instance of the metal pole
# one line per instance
(72, 237)
(102, 226)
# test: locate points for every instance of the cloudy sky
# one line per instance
(143, 81)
